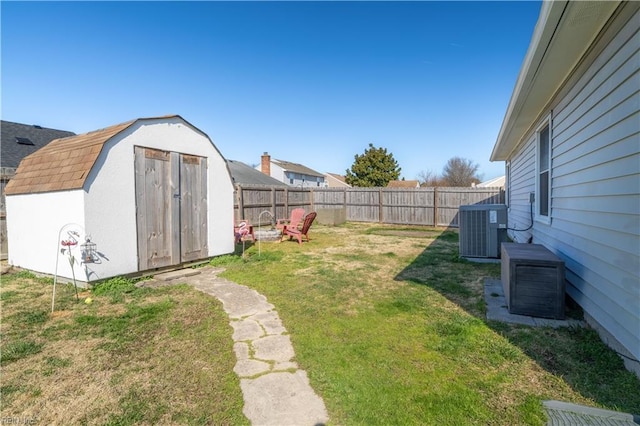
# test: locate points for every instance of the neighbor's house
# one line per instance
(292, 174)
(571, 143)
(403, 184)
(16, 142)
(497, 182)
(334, 180)
(150, 193)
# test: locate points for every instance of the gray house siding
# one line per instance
(521, 183)
(595, 182)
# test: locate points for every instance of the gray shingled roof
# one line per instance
(13, 152)
(296, 168)
(246, 175)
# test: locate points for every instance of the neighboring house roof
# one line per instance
(336, 181)
(19, 140)
(563, 33)
(403, 184)
(64, 164)
(296, 168)
(495, 182)
(244, 174)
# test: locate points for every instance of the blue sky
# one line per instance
(308, 82)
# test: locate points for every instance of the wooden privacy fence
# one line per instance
(406, 206)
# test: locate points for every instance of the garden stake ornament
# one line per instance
(73, 231)
(69, 244)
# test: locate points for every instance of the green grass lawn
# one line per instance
(390, 325)
(387, 321)
(133, 356)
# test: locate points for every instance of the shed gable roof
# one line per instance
(63, 164)
(13, 151)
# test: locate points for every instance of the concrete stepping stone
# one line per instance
(275, 390)
(282, 399)
(246, 330)
(273, 348)
(567, 414)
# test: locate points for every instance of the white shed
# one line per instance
(571, 142)
(150, 193)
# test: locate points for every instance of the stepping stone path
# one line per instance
(275, 390)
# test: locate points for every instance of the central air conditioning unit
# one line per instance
(483, 227)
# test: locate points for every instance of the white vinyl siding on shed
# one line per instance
(27, 217)
(595, 195)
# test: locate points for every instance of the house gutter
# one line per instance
(512, 127)
(564, 32)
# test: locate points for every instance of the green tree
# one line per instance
(460, 172)
(375, 168)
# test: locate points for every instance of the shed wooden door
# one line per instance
(193, 207)
(171, 207)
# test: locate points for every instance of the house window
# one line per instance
(543, 171)
(291, 181)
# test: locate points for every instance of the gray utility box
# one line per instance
(533, 280)
(482, 228)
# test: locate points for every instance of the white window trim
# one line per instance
(539, 218)
(507, 184)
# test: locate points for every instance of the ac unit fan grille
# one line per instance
(473, 233)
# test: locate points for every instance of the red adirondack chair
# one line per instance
(304, 231)
(296, 217)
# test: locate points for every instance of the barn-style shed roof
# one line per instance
(65, 163)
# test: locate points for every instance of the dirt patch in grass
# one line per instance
(57, 394)
(61, 314)
(408, 233)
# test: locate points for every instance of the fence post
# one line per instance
(312, 199)
(273, 202)
(435, 206)
(286, 202)
(240, 197)
(380, 209)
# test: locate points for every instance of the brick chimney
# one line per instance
(266, 164)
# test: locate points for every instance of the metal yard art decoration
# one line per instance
(273, 218)
(66, 247)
